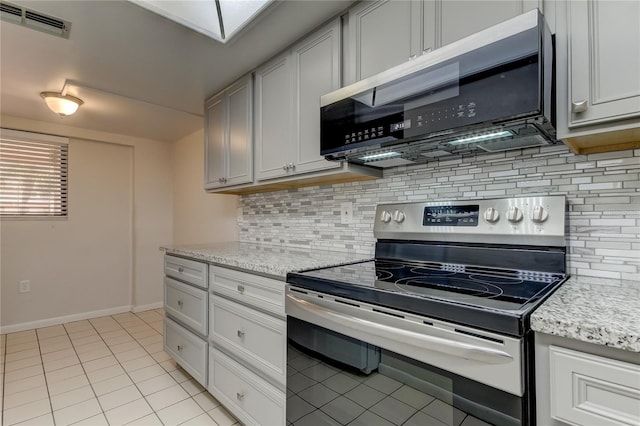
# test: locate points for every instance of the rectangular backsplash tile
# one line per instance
(602, 190)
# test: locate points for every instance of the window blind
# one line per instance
(33, 175)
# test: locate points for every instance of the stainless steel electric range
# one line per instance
(441, 316)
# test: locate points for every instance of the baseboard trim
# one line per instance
(148, 307)
(64, 319)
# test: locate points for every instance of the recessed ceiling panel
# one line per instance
(202, 15)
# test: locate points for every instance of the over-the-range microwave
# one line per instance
(491, 91)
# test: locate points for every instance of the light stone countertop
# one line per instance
(600, 311)
(268, 260)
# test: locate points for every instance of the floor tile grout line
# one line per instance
(123, 326)
(143, 396)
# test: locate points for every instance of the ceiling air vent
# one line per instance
(34, 20)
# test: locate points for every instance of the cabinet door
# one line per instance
(273, 101)
(604, 61)
(316, 70)
(240, 154)
(382, 34)
(214, 145)
(459, 19)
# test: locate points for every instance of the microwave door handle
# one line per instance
(394, 334)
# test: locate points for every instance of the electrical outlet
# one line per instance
(346, 213)
(25, 286)
(239, 214)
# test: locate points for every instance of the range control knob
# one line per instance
(385, 216)
(539, 214)
(398, 216)
(514, 215)
(491, 215)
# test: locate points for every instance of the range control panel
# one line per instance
(519, 220)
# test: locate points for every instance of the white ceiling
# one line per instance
(139, 74)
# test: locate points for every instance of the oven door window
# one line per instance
(337, 380)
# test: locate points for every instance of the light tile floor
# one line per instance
(320, 394)
(104, 371)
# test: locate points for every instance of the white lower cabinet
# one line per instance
(248, 345)
(188, 349)
(187, 304)
(587, 389)
(253, 400)
(254, 337)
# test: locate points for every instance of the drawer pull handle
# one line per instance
(240, 395)
(181, 269)
(241, 288)
(240, 334)
(180, 348)
(180, 303)
(580, 106)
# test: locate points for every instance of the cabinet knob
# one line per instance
(181, 270)
(580, 106)
(180, 303)
(180, 348)
(240, 395)
(292, 166)
(426, 50)
(240, 334)
(240, 288)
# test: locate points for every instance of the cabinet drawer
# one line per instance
(251, 399)
(258, 339)
(186, 304)
(189, 350)
(264, 293)
(186, 270)
(589, 389)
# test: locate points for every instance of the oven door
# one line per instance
(351, 361)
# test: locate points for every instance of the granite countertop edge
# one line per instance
(273, 261)
(594, 310)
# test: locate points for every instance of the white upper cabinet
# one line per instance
(386, 33)
(382, 34)
(228, 136)
(316, 69)
(604, 61)
(287, 105)
(598, 74)
(459, 19)
(273, 99)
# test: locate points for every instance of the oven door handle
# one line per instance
(392, 334)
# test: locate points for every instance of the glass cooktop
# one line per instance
(454, 292)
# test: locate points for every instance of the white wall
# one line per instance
(70, 263)
(199, 217)
(25, 248)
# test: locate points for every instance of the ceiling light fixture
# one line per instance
(62, 104)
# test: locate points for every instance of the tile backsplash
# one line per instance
(603, 192)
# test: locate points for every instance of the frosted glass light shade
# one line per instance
(61, 105)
